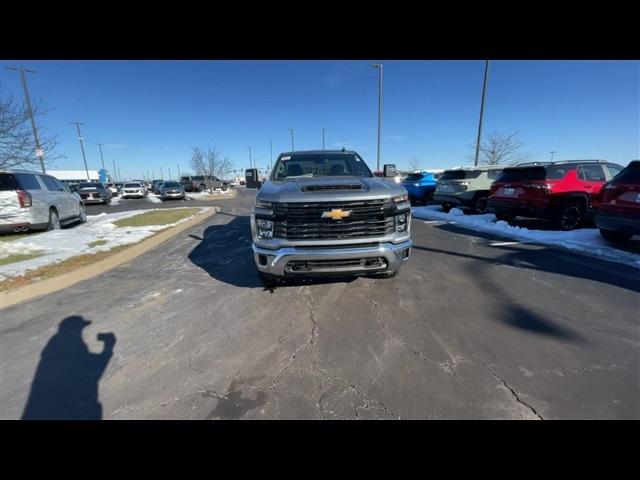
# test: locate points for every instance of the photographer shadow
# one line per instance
(65, 385)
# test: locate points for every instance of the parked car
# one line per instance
(94, 192)
(119, 186)
(618, 214)
(200, 183)
(112, 187)
(157, 188)
(172, 190)
(420, 186)
(36, 201)
(466, 188)
(154, 184)
(309, 220)
(133, 190)
(565, 192)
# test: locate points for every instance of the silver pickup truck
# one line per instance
(323, 213)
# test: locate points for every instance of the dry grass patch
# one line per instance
(18, 258)
(157, 217)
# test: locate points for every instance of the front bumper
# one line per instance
(276, 262)
(94, 200)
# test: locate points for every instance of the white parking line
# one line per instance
(504, 244)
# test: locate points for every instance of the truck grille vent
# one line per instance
(321, 188)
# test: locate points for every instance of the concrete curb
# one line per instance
(60, 282)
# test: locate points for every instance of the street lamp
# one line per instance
(292, 147)
(77, 124)
(101, 157)
(323, 130)
(380, 67)
(39, 149)
(484, 90)
(250, 159)
(552, 152)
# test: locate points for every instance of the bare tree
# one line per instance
(500, 148)
(414, 164)
(210, 163)
(17, 145)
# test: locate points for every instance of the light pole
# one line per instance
(292, 147)
(250, 160)
(178, 172)
(77, 124)
(161, 174)
(169, 172)
(23, 79)
(381, 68)
(270, 154)
(323, 130)
(101, 157)
(552, 152)
(115, 172)
(484, 91)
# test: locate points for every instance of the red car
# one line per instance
(618, 215)
(565, 192)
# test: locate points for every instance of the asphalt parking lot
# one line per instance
(468, 329)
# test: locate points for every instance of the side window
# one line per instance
(494, 173)
(50, 183)
(28, 181)
(61, 186)
(591, 173)
(613, 169)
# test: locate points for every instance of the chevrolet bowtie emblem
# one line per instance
(336, 214)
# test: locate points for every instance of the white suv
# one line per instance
(36, 201)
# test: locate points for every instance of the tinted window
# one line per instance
(494, 173)
(50, 183)
(414, 176)
(90, 185)
(132, 185)
(198, 178)
(460, 174)
(172, 185)
(320, 165)
(520, 174)
(555, 172)
(185, 179)
(630, 175)
(8, 182)
(613, 169)
(591, 173)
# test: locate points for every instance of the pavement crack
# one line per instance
(514, 393)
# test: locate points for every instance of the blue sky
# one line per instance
(149, 113)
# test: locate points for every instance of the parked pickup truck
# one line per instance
(200, 183)
(323, 212)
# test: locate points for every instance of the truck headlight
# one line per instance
(401, 198)
(402, 222)
(264, 228)
(261, 204)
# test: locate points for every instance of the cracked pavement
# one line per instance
(466, 330)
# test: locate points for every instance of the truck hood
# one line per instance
(329, 189)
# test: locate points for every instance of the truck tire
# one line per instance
(480, 204)
(569, 215)
(505, 217)
(615, 237)
(82, 215)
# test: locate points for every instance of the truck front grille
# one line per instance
(303, 221)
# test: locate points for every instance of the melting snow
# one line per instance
(585, 240)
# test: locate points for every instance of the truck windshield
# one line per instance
(320, 165)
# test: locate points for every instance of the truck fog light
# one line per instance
(264, 228)
(401, 222)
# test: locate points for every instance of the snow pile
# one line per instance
(215, 193)
(586, 240)
(154, 198)
(19, 248)
(59, 245)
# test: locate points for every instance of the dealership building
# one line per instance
(79, 176)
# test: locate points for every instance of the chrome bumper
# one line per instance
(273, 262)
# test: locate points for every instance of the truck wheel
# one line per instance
(427, 198)
(615, 237)
(54, 220)
(446, 208)
(569, 216)
(480, 205)
(82, 215)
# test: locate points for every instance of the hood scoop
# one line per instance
(333, 187)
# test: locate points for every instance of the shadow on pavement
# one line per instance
(552, 260)
(225, 253)
(65, 385)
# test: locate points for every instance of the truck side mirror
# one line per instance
(390, 170)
